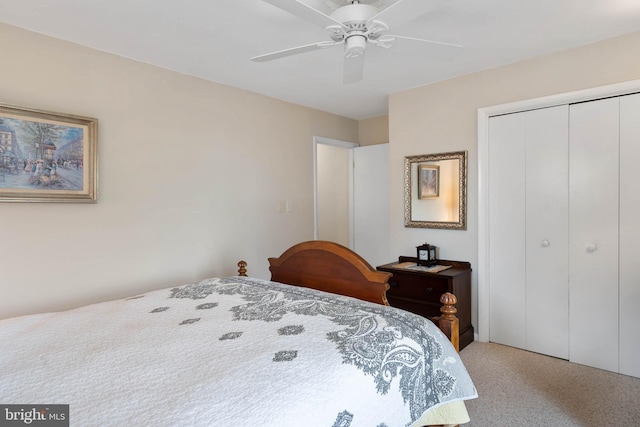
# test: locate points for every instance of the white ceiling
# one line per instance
(215, 40)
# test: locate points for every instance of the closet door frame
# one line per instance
(484, 114)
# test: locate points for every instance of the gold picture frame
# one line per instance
(47, 157)
(449, 210)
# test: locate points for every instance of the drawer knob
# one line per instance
(429, 289)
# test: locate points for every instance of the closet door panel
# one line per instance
(507, 230)
(593, 233)
(547, 210)
(629, 235)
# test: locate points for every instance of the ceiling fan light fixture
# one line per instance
(355, 45)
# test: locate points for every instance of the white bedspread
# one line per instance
(232, 352)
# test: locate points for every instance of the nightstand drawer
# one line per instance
(418, 287)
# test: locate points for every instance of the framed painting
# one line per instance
(47, 157)
(428, 181)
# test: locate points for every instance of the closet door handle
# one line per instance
(545, 243)
(591, 247)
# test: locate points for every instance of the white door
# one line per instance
(507, 268)
(371, 203)
(528, 230)
(603, 205)
(593, 231)
(547, 231)
(629, 235)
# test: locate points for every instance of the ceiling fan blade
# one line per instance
(353, 68)
(436, 49)
(293, 51)
(395, 36)
(404, 11)
(305, 11)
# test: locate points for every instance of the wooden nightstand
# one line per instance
(420, 291)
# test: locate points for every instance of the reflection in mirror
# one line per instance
(436, 191)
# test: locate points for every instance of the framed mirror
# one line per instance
(435, 191)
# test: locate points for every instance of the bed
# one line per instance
(317, 345)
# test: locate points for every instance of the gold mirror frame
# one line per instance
(461, 224)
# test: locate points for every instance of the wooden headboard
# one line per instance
(330, 267)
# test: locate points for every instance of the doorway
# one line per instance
(351, 196)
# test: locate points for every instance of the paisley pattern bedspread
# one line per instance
(233, 351)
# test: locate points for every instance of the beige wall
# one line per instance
(374, 131)
(191, 173)
(443, 117)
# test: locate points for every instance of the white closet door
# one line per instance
(593, 231)
(629, 235)
(507, 267)
(547, 227)
(528, 234)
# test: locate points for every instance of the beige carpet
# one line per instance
(520, 388)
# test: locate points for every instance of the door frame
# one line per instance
(336, 143)
(617, 89)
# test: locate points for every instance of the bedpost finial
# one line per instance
(242, 268)
(448, 301)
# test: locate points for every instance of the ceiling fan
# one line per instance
(354, 23)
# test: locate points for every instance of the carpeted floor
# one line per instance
(521, 388)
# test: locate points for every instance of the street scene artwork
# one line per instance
(428, 181)
(46, 158)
